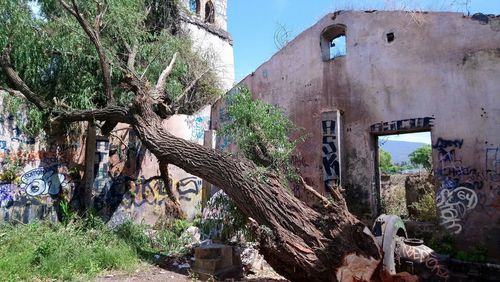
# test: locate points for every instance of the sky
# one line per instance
(254, 23)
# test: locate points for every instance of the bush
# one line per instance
(425, 208)
(170, 240)
(40, 251)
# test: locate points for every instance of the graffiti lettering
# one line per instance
(405, 124)
(443, 143)
(43, 181)
(454, 205)
(198, 125)
(188, 185)
(432, 263)
(331, 165)
(424, 254)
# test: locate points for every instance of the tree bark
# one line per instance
(88, 176)
(300, 243)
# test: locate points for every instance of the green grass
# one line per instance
(76, 251)
(81, 249)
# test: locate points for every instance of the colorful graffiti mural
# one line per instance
(197, 125)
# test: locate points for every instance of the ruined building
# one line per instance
(127, 177)
(355, 76)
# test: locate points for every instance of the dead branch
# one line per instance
(160, 85)
(132, 54)
(315, 193)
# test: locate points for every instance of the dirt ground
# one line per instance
(148, 272)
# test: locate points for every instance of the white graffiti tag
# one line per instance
(454, 205)
(42, 181)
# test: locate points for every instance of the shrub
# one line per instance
(169, 240)
(425, 208)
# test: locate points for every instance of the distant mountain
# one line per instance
(400, 150)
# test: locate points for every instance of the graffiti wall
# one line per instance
(37, 174)
(130, 178)
(34, 174)
(186, 187)
(464, 190)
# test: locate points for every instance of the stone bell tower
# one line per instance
(206, 23)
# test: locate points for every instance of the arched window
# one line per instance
(209, 12)
(333, 42)
(194, 6)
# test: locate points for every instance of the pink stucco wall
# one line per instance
(440, 74)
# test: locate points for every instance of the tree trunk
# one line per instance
(300, 243)
(87, 185)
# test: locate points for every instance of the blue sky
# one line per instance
(253, 25)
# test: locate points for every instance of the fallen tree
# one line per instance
(302, 243)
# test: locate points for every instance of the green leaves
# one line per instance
(256, 126)
(55, 58)
(422, 157)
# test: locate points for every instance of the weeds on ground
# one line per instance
(445, 244)
(77, 250)
(170, 240)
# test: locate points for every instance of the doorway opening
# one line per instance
(404, 166)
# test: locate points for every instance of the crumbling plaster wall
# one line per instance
(440, 74)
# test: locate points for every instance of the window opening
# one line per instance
(194, 6)
(209, 12)
(390, 37)
(333, 42)
(338, 47)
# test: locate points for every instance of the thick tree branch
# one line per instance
(94, 35)
(160, 85)
(18, 83)
(108, 114)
